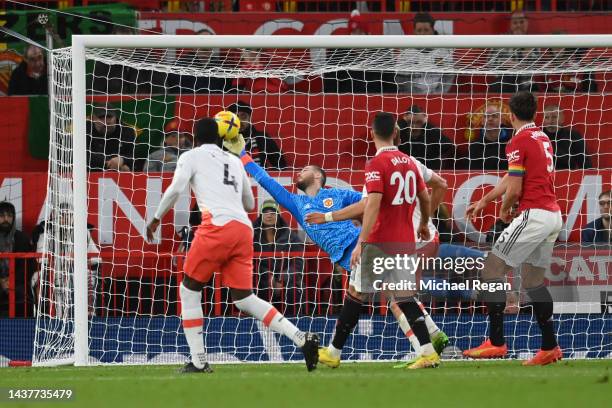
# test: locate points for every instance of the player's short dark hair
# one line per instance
(384, 125)
(605, 193)
(322, 172)
(524, 105)
(423, 18)
(206, 131)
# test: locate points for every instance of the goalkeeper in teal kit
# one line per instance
(338, 239)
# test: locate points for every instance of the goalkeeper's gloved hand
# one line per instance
(235, 145)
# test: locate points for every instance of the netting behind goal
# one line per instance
(313, 107)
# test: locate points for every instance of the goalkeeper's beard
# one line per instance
(302, 185)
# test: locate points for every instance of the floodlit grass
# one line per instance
(454, 384)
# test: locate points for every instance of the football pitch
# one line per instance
(454, 384)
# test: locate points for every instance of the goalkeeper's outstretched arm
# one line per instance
(277, 191)
(355, 211)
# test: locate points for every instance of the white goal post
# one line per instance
(80, 355)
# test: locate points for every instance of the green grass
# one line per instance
(455, 384)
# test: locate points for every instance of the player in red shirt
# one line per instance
(530, 237)
(393, 184)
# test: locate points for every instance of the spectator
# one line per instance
(201, 58)
(599, 231)
(110, 144)
(424, 141)
(421, 79)
(57, 232)
(357, 81)
(30, 77)
(488, 151)
(175, 142)
(569, 60)
(263, 148)
(514, 58)
(13, 240)
(120, 78)
(568, 145)
(272, 234)
(252, 60)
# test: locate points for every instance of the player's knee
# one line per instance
(192, 284)
(239, 294)
(532, 277)
(494, 268)
(354, 293)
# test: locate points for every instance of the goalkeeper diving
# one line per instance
(338, 239)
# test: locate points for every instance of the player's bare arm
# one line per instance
(425, 207)
(438, 190)
(514, 189)
(182, 174)
(372, 208)
(353, 211)
(476, 208)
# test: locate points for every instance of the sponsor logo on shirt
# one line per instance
(513, 156)
(372, 176)
(328, 203)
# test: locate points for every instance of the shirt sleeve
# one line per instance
(420, 182)
(351, 197)
(373, 177)
(182, 176)
(515, 153)
(277, 191)
(248, 201)
(426, 172)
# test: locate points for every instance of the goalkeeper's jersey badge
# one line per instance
(328, 203)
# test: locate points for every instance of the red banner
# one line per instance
(378, 23)
(333, 130)
(121, 203)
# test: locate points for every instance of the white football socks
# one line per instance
(432, 328)
(193, 322)
(272, 318)
(334, 352)
(405, 326)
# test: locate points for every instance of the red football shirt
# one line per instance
(530, 155)
(397, 177)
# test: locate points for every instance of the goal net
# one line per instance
(124, 110)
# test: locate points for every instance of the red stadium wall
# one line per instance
(378, 23)
(120, 201)
(332, 130)
(314, 128)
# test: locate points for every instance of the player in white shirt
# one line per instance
(223, 243)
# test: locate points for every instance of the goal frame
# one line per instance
(81, 42)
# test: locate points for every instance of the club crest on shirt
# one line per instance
(328, 202)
